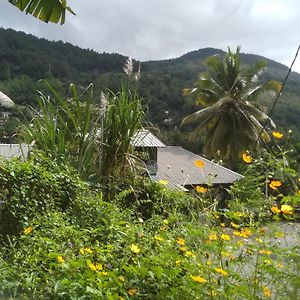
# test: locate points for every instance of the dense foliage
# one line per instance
(146, 243)
(24, 59)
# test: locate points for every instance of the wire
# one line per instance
(280, 91)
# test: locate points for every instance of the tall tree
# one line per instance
(231, 118)
(46, 10)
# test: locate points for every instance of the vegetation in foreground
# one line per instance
(60, 240)
(71, 229)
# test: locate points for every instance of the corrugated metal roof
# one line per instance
(14, 150)
(177, 166)
(144, 138)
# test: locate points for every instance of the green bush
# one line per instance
(147, 199)
(34, 186)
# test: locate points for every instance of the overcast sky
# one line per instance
(159, 29)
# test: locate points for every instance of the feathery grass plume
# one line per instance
(128, 67)
(137, 75)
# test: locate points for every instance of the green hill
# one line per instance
(24, 59)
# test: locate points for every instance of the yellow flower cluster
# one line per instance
(285, 209)
(264, 251)
(95, 267)
(86, 250)
(245, 232)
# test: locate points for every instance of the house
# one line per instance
(176, 165)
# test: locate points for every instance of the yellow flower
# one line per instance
(180, 241)
(166, 221)
(247, 158)
(99, 267)
(222, 224)
(199, 163)
(177, 262)
(201, 189)
(85, 250)
(189, 254)
(131, 292)
(60, 259)
(158, 238)
(221, 271)
(286, 209)
(236, 233)
(92, 266)
(234, 225)
(264, 251)
(225, 237)
(267, 292)
(239, 214)
(275, 209)
(246, 232)
(274, 184)
(277, 134)
(135, 249)
(163, 182)
(213, 236)
(28, 230)
(198, 279)
(103, 273)
(121, 278)
(182, 249)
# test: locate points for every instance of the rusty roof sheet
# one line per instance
(177, 166)
(144, 138)
(8, 151)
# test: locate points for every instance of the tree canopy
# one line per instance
(231, 118)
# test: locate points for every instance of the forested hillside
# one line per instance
(24, 59)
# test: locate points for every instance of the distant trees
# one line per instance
(231, 120)
(46, 10)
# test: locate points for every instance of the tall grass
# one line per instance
(94, 138)
(66, 128)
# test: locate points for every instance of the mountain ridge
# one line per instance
(24, 59)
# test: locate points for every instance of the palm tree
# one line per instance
(45, 10)
(232, 121)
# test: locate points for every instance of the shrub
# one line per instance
(34, 186)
